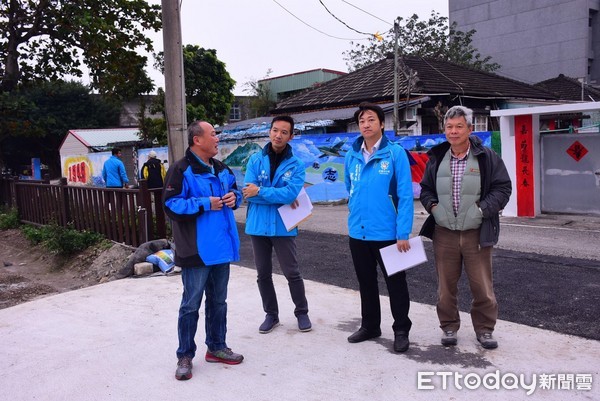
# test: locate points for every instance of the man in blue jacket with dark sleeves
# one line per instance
(200, 194)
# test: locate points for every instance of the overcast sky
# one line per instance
(253, 36)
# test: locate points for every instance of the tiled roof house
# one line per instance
(572, 90)
(436, 83)
(568, 88)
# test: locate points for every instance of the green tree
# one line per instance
(50, 39)
(35, 118)
(208, 87)
(154, 129)
(432, 38)
(261, 102)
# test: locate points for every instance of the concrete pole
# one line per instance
(175, 109)
(396, 66)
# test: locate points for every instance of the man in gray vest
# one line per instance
(464, 187)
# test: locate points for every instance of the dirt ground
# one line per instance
(28, 272)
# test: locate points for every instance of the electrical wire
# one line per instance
(312, 27)
(445, 76)
(347, 26)
(366, 12)
(376, 35)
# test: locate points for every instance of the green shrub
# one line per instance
(61, 240)
(35, 235)
(9, 219)
(67, 241)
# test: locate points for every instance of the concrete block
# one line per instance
(142, 268)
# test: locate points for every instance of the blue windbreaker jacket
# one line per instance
(381, 198)
(203, 237)
(113, 173)
(262, 215)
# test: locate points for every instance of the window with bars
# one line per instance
(480, 124)
(235, 113)
(411, 114)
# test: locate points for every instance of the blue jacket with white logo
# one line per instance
(203, 237)
(381, 198)
(262, 217)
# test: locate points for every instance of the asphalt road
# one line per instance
(553, 292)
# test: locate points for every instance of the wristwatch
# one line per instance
(258, 191)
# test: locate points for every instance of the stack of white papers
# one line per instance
(292, 217)
(395, 261)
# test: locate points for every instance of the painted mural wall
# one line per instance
(84, 169)
(323, 157)
(322, 154)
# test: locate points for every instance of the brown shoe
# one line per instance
(184, 368)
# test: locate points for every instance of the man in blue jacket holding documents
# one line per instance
(274, 177)
(377, 177)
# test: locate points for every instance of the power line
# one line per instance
(376, 35)
(348, 26)
(445, 76)
(312, 27)
(366, 12)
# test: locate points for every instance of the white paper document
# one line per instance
(292, 217)
(395, 261)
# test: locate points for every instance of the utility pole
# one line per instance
(396, 66)
(175, 109)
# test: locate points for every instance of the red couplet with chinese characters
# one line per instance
(525, 176)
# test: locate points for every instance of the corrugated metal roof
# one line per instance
(257, 127)
(347, 113)
(244, 124)
(102, 137)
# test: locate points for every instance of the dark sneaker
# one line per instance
(184, 368)
(487, 340)
(401, 342)
(225, 355)
(269, 324)
(449, 338)
(304, 324)
(363, 335)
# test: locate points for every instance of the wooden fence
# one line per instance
(129, 216)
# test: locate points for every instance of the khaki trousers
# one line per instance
(453, 249)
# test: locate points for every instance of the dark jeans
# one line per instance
(285, 249)
(212, 281)
(366, 257)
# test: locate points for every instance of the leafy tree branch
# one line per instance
(50, 39)
(433, 38)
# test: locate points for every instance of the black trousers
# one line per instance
(366, 257)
